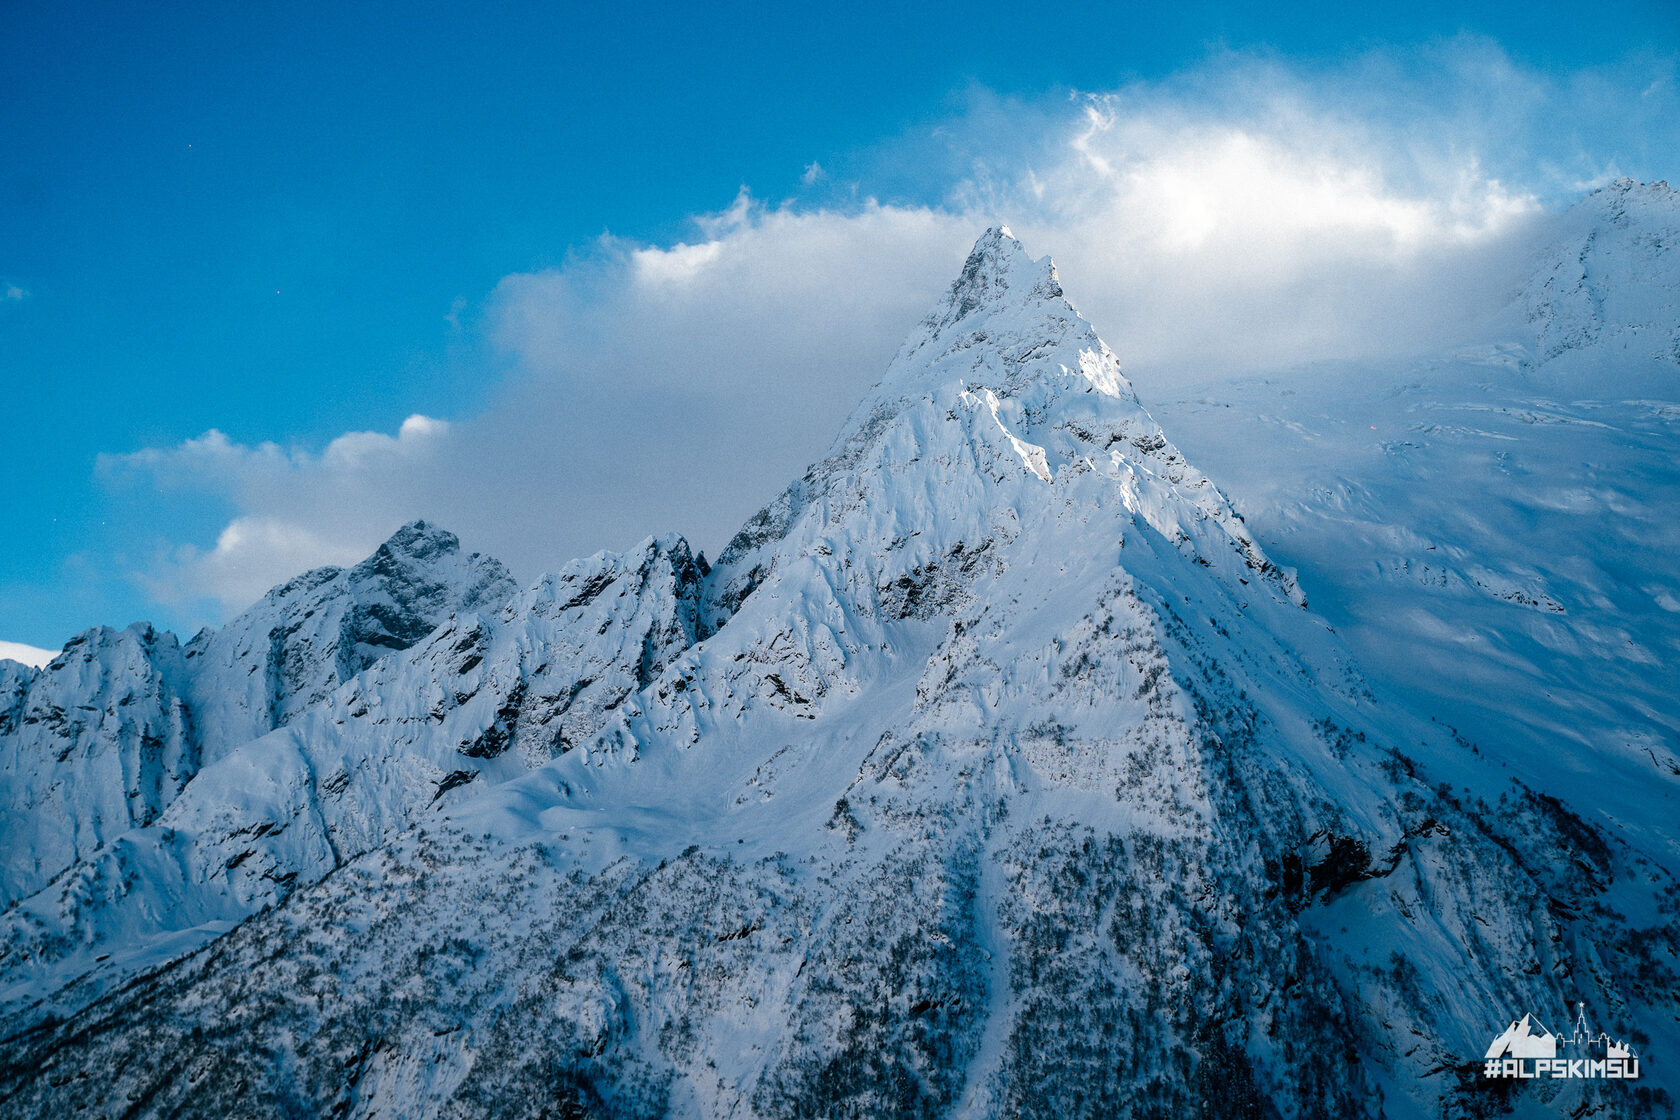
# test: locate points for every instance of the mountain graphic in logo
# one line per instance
(1527, 1049)
(1520, 1041)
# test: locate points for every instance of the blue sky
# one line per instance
(628, 267)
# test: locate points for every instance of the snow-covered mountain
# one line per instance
(1496, 530)
(314, 633)
(1609, 281)
(994, 769)
(108, 735)
(98, 742)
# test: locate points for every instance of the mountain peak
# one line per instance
(997, 274)
(1004, 324)
(1007, 386)
(313, 633)
(419, 539)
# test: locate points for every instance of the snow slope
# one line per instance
(111, 731)
(96, 743)
(482, 696)
(310, 635)
(1496, 531)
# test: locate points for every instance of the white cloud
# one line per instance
(267, 471)
(300, 509)
(677, 265)
(12, 293)
(1243, 215)
(1199, 245)
(29, 655)
(768, 298)
(252, 554)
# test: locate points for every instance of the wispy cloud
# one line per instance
(302, 509)
(251, 555)
(28, 655)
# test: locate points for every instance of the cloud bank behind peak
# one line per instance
(1251, 214)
